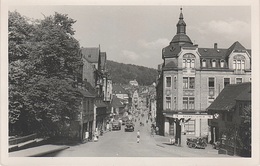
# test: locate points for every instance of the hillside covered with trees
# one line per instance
(123, 73)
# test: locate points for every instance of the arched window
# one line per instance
(213, 63)
(188, 61)
(239, 62)
(203, 62)
(222, 63)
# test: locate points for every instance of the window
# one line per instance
(238, 65)
(192, 82)
(243, 65)
(192, 63)
(184, 63)
(226, 81)
(188, 82)
(213, 63)
(190, 127)
(234, 64)
(168, 81)
(191, 103)
(174, 103)
(168, 102)
(211, 86)
(188, 103)
(238, 80)
(175, 82)
(239, 62)
(211, 82)
(250, 79)
(222, 63)
(185, 82)
(203, 63)
(188, 61)
(185, 103)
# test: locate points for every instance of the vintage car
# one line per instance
(129, 126)
(116, 125)
(196, 143)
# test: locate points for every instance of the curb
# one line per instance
(48, 152)
(37, 151)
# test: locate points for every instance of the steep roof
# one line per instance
(118, 89)
(91, 54)
(226, 100)
(245, 95)
(116, 102)
(86, 93)
(103, 58)
(171, 50)
(100, 103)
(170, 65)
(211, 53)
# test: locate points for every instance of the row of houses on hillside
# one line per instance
(190, 79)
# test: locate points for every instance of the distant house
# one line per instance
(133, 83)
(117, 107)
(228, 111)
(120, 92)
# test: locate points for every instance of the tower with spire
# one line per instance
(181, 38)
(190, 79)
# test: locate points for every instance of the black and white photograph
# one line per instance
(135, 83)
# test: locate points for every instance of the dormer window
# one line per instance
(204, 63)
(222, 63)
(239, 62)
(213, 63)
(188, 61)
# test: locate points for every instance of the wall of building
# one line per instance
(88, 72)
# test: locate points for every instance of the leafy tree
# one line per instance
(44, 60)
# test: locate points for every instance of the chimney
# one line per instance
(215, 46)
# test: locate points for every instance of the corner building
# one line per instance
(191, 78)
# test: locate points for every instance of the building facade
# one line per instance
(190, 79)
(96, 76)
(232, 119)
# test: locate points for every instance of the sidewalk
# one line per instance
(185, 151)
(38, 151)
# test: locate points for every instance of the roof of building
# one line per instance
(245, 95)
(181, 38)
(103, 56)
(86, 93)
(171, 64)
(91, 54)
(116, 102)
(226, 100)
(100, 103)
(89, 87)
(118, 89)
(211, 53)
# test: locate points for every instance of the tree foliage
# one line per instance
(43, 62)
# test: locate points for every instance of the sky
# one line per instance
(137, 34)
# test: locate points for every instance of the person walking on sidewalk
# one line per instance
(138, 136)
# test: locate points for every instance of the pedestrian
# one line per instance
(138, 136)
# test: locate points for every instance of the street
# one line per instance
(124, 144)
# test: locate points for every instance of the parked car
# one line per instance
(129, 127)
(196, 143)
(116, 125)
